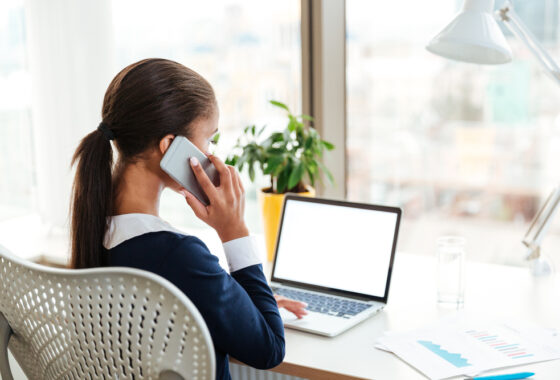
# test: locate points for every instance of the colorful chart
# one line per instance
(456, 359)
(507, 348)
(460, 346)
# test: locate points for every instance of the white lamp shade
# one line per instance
(473, 36)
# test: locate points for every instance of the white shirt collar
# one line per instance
(127, 226)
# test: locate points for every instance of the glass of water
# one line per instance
(451, 270)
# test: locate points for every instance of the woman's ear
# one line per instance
(165, 142)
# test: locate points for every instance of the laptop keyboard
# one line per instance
(334, 306)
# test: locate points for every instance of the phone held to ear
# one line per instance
(175, 162)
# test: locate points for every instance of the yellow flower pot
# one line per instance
(271, 207)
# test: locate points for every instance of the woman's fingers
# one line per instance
(240, 183)
(226, 209)
(199, 209)
(235, 181)
(296, 307)
(203, 179)
(225, 174)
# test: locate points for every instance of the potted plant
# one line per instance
(292, 160)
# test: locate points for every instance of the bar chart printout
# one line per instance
(509, 349)
(461, 347)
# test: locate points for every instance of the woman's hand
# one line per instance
(225, 213)
(296, 307)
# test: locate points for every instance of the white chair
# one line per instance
(103, 323)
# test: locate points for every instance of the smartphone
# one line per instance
(175, 162)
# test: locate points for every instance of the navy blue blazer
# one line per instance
(239, 309)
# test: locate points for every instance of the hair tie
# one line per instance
(104, 128)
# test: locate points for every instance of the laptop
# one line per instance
(337, 257)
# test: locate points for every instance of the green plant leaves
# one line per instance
(296, 175)
(287, 156)
(232, 160)
(272, 164)
(282, 181)
(279, 104)
(272, 139)
(293, 124)
(216, 138)
(252, 172)
(327, 145)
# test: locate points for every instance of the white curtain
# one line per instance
(71, 60)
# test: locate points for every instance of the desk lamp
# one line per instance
(475, 37)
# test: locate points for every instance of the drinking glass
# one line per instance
(451, 270)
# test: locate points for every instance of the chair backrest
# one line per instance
(102, 323)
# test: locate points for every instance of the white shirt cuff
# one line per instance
(241, 253)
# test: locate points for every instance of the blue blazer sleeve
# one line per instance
(239, 309)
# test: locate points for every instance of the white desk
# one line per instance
(492, 290)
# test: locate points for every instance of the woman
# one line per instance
(115, 218)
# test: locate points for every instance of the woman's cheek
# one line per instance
(206, 149)
(203, 146)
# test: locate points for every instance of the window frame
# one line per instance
(323, 45)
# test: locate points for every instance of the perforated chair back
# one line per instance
(103, 323)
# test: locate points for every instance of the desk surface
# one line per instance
(493, 290)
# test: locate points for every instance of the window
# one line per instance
(463, 149)
(250, 51)
(16, 164)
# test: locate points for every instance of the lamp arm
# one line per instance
(541, 223)
(508, 16)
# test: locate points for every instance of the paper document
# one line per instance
(462, 346)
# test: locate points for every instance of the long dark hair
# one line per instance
(144, 102)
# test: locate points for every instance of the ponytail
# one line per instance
(92, 198)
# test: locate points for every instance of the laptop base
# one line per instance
(323, 324)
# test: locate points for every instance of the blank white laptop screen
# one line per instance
(336, 247)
